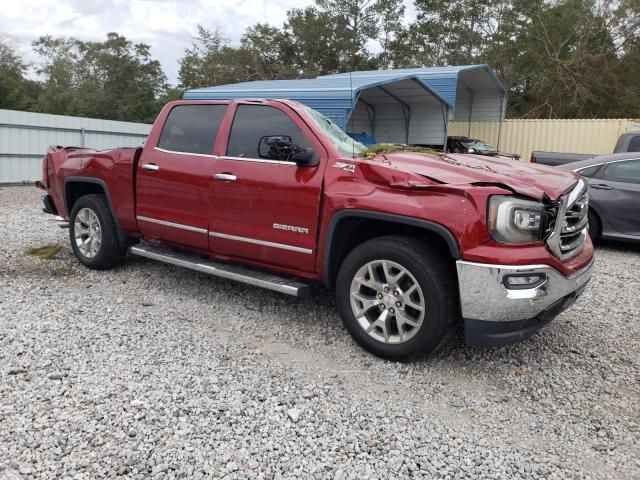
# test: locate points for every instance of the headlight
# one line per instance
(514, 220)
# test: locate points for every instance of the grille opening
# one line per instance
(566, 240)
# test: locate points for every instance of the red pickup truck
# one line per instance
(272, 193)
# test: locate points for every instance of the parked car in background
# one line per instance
(476, 147)
(628, 142)
(614, 192)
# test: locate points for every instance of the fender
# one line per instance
(434, 227)
(122, 236)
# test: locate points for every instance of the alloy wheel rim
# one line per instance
(387, 301)
(87, 232)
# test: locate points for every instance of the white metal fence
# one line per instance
(25, 137)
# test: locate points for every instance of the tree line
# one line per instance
(558, 58)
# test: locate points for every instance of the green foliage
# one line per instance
(115, 79)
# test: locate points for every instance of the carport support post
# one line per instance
(406, 111)
(371, 113)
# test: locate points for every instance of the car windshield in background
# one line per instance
(479, 146)
(343, 142)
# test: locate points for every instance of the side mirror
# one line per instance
(305, 158)
(273, 147)
(281, 147)
(471, 150)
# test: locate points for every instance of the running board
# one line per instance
(223, 270)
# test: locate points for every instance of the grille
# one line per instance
(567, 223)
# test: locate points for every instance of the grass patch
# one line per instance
(46, 252)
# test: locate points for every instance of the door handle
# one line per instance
(150, 166)
(601, 186)
(228, 177)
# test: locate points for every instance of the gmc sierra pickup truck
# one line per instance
(272, 193)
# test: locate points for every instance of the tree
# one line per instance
(114, 79)
(270, 50)
(313, 34)
(390, 14)
(16, 92)
(354, 23)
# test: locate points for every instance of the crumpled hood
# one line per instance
(536, 181)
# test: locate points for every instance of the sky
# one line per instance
(166, 25)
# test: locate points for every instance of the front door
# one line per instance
(266, 210)
(173, 184)
(617, 194)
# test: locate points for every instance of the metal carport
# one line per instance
(473, 91)
(398, 108)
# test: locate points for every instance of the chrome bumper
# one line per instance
(484, 295)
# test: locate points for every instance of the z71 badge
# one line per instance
(347, 167)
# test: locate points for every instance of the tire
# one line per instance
(94, 234)
(595, 226)
(436, 293)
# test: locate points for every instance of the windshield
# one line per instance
(478, 146)
(343, 142)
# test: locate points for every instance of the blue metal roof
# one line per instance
(443, 80)
(332, 95)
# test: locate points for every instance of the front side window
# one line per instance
(254, 123)
(627, 171)
(191, 128)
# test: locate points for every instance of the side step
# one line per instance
(223, 270)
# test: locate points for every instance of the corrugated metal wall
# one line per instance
(25, 137)
(569, 136)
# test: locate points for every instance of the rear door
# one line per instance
(173, 183)
(616, 195)
(266, 210)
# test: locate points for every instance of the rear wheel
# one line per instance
(94, 235)
(397, 296)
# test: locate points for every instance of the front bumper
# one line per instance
(496, 314)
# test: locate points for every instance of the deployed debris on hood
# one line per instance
(383, 148)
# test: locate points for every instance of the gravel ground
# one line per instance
(152, 371)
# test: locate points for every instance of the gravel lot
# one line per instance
(152, 371)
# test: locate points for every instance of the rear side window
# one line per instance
(191, 128)
(589, 171)
(627, 171)
(252, 122)
(634, 144)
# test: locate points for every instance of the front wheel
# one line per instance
(94, 235)
(397, 296)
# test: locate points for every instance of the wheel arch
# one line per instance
(76, 187)
(350, 228)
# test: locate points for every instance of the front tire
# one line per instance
(94, 234)
(397, 296)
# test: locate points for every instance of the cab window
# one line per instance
(191, 128)
(253, 122)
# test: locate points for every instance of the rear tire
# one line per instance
(94, 234)
(397, 296)
(595, 226)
